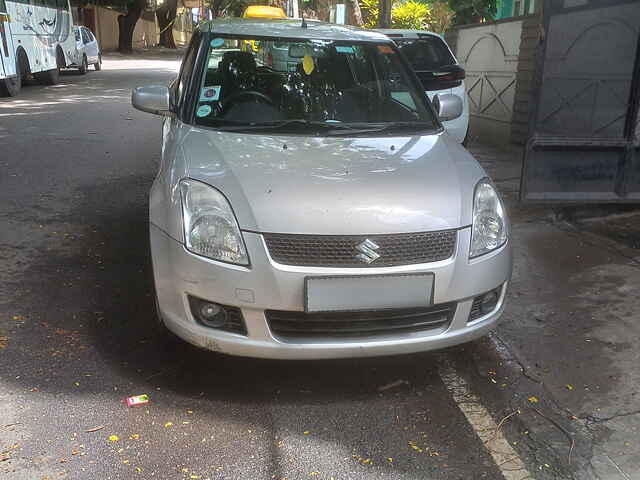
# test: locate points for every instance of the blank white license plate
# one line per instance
(368, 292)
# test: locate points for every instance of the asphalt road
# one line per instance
(76, 163)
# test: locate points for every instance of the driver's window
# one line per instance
(85, 37)
(185, 71)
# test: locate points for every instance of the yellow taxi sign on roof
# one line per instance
(263, 11)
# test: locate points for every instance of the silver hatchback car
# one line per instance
(319, 211)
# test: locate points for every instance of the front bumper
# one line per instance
(268, 285)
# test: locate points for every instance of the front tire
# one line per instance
(98, 65)
(84, 66)
(10, 87)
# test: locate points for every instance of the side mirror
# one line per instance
(152, 99)
(448, 106)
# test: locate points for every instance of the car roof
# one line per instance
(407, 33)
(290, 28)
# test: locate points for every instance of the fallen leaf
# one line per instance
(113, 438)
(135, 436)
(389, 459)
(306, 432)
(569, 386)
(168, 424)
(533, 399)
(4, 341)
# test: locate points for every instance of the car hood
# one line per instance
(336, 185)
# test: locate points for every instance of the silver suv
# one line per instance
(317, 211)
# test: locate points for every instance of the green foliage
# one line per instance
(410, 14)
(441, 17)
(370, 12)
(435, 16)
(472, 11)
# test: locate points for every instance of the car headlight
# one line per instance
(489, 229)
(210, 228)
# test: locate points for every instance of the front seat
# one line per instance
(239, 71)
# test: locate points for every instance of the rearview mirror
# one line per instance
(152, 99)
(297, 51)
(448, 106)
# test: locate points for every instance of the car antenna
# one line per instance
(304, 22)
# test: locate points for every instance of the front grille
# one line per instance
(340, 250)
(301, 325)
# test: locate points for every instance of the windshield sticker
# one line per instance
(210, 94)
(217, 42)
(385, 49)
(203, 110)
(342, 49)
(307, 64)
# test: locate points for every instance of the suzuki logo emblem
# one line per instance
(367, 251)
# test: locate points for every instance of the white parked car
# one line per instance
(438, 71)
(88, 50)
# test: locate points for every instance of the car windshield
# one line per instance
(323, 85)
(427, 53)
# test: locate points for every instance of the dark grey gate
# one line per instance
(584, 128)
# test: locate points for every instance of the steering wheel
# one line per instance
(246, 93)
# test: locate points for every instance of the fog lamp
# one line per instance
(489, 302)
(213, 315)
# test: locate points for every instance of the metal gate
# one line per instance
(584, 127)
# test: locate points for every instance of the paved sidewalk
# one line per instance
(571, 327)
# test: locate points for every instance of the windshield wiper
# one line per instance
(294, 123)
(354, 129)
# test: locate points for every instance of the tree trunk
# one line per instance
(166, 15)
(357, 13)
(384, 18)
(126, 25)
